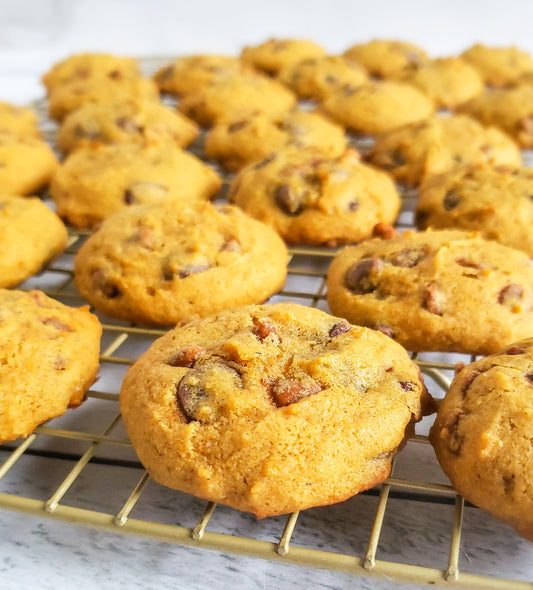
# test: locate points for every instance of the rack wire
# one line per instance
(91, 440)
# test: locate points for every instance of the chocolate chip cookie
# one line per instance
(310, 198)
(436, 291)
(157, 265)
(95, 182)
(54, 348)
(483, 431)
(271, 409)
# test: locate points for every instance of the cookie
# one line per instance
(231, 98)
(499, 66)
(66, 98)
(27, 164)
(448, 81)
(94, 182)
(436, 291)
(378, 107)
(156, 265)
(438, 144)
(315, 78)
(251, 138)
(19, 121)
(509, 109)
(495, 202)
(271, 409)
(274, 54)
(84, 66)
(124, 121)
(54, 348)
(483, 431)
(191, 73)
(30, 235)
(310, 198)
(385, 58)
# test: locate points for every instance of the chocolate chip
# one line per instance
(290, 391)
(236, 126)
(421, 218)
(384, 231)
(263, 328)
(468, 379)
(128, 125)
(231, 245)
(508, 483)
(129, 197)
(512, 350)
(265, 161)
(362, 277)
(451, 200)
(396, 159)
(287, 200)
(190, 396)
(434, 298)
(186, 357)
(469, 264)
(450, 422)
(510, 294)
(353, 206)
(408, 257)
(55, 322)
(144, 190)
(407, 385)
(115, 75)
(529, 378)
(384, 329)
(192, 269)
(338, 329)
(329, 79)
(108, 288)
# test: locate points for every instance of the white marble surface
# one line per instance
(42, 553)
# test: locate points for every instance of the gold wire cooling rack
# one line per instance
(353, 537)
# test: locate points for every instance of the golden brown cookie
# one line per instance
(19, 121)
(129, 120)
(159, 264)
(499, 66)
(275, 54)
(436, 291)
(378, 107)
(231, 98)
(439, 144)
(27, 164)
(95, 182)
(448, 81)
(385, 58)
(271, 409)
(483, 431)
(497, 203)
(48, 359)
(310, 198)
(252, 137)
(30, 235)
(316, 77)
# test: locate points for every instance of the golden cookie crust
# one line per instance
(54, 347)
(378, 107)
(129, 120)
(156, 265)
(251, 138)
(499, 66)
(268, 408)
(436, 291)
(31, 234)
(483, 431)
(310, 198)
(19, 121)
(94, 182)
(439, 144)
(275, 54)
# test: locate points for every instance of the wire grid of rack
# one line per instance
(78, 446)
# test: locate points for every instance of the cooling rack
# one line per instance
(74, 451)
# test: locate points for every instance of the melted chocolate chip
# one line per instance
(454, 440)
(362, 277)
(434, 298)
(468, 379)
(190, 397)
(236, 126)
(529, 378)
(231, 245)
(263, 328)
(408, 257)
(129, 197)
(512, 350)
(55, 322)
(127, 124)
(287, 200)
(407, 385)
(384, 231)
(186, 357)
(105, 285)
(451, 200)
(338, 329)
(115, 75)
(469, 264)
(510, 294)
(384, 329)
(353, 206)
(290, 391)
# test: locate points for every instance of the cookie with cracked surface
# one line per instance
(193, 72)
(272, 409)
(448, 81)
(124, 121)
(54, 347)
(27, 164)
(439, 144)
(496, 202)
(156, 265)
(275, 54)
(436, 291)
(499, 66)
(231, 98)
(19, 121)
(31, 234)
(483, 431)
(94, 182)
(509, 109)
(378, 107)
(384, 58)
(310, 198)
(316, 77)
(251, 138)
